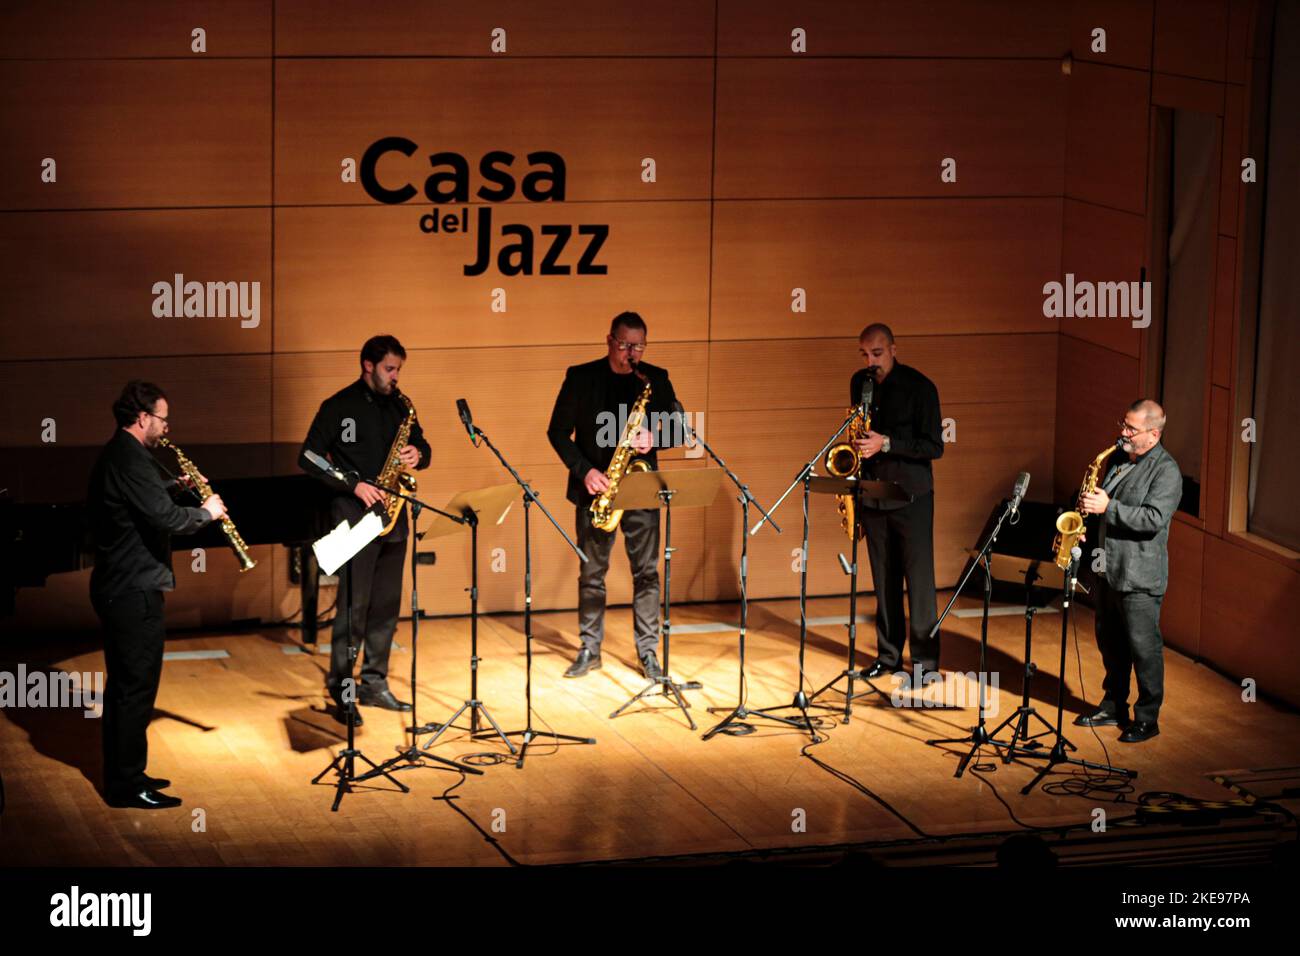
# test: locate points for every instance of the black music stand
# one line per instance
(861, 489)
(1057, 754)
(685, 488)
(1042, 579)
(344, 762)
(483, 504)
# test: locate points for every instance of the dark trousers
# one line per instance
(133, 657)
(1128, 636)
(376, 576)
(900, 547)
(641, 539)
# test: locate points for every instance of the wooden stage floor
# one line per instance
(243, 735)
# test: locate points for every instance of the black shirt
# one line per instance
(591, 411)
(132, 517)
(355, 429)
(905, 408)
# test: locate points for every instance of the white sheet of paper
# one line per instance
(338, 547)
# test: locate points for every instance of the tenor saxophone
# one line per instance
(204, 490)
(1069, 524)
(394, 473)
(603, 515)
(843, 460)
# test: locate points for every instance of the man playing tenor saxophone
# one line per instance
(356, 428)
(1137, 498)
(587, 425)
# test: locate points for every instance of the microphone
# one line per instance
(1018, 494)
(462, 407)
(868, 389)
(324, 465)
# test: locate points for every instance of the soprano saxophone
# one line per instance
(204, 490)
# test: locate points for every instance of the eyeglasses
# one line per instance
(159, 417)
(629, 346)
(1126, 429)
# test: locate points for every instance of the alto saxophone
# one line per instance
(394, 473)
(204, 491)
(1069, 524)
(603, 515)
(843, 460)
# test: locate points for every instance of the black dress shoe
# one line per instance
(1101, 717)
(878, 670)
(650, 667)
(143, 799)
(382, 698)
(1139, 731)
(584, 662)
(156, 783)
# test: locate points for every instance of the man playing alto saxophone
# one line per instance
(355, 428)
(1138, 498)
(594, 396)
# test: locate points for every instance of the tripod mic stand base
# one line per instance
(851, 675)
(668, 688)
(344, 765)
(800, 703)
(733, 724)
(412, 758)
(1058, 756)
(474, 707)
(1020, 732)
(529, 735)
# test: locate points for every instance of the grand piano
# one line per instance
(43, 526)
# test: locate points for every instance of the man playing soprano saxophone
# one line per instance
(1137, 498)
(132, 518)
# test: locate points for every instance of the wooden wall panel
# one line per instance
(213, 402)
(419, 28)
(1103, 245)
(970, 266)
(85, 281)
(1180, 615)
(510, 394)
(940, 28)
(91, 29)
(1191, 38)
(889, 130)
(1187, 93)
(339, 268)
(1248, 618)
(150, 134)
(619, 112)
(1128, 31)
(1225, 298)
(815, 373)
(1222, 433)
(1106, 137)
(1234, 151)
(1094, 387)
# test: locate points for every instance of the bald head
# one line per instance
(1153, 416)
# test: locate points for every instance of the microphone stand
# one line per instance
(528, 733)
(733, 724)
(979, 735)
(1057, 754)
(801, 701)
(412, 756)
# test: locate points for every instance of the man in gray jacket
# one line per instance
(1137, 499)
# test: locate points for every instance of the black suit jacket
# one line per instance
(580, 429)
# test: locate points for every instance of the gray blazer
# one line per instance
(1135, 532)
